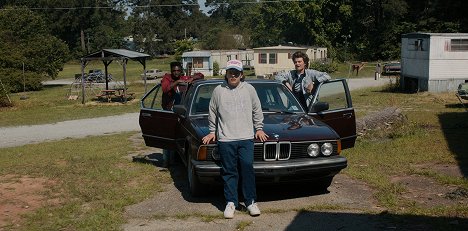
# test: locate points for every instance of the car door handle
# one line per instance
(146, 114)
(348, 115)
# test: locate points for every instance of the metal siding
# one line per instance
(438, 70)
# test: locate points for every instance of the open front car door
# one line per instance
(332, 104)
(159, 127)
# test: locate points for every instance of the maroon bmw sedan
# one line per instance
(304, 144)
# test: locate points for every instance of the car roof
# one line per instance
(219, 80)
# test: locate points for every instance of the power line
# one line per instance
(151, 6)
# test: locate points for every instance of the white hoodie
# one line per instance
(235, 112)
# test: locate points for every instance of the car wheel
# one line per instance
(196, 188)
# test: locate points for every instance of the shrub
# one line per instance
(328, 67)
(13, 80)
(215, 68)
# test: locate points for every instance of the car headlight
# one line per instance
(327, 149)
(313, 150)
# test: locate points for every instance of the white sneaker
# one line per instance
(253, 210)
(229, 210)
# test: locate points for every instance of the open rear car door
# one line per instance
(340, 114)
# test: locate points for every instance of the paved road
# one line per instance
(17, 136)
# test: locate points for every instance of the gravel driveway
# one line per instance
(21, 135)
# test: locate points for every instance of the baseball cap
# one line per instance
(234, 64)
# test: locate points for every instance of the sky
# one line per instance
(202, 6)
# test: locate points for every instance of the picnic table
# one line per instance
(107, 94)
(119, 93)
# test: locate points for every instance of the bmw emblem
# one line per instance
(276, 136)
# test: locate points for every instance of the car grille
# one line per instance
(274, 151)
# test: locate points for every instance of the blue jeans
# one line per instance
(237, 163)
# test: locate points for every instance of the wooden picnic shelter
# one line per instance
(107, 56)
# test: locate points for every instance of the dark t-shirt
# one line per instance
(297, 90)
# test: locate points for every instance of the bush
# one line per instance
(215, 68)
(4, 98)
(12, 79)
(328, 67)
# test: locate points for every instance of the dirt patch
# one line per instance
(426, 192)
(20, 195)
(446, 169)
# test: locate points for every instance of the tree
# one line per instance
(182, 46)
(158, 23)
(25, 40)
(85, 25)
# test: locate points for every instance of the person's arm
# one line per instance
(166, 83)
(257, 116)
(314, 77)
(213, 111)
(284, 77)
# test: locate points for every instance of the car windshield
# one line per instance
(273, 97)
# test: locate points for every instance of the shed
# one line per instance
(434, 62)
(109, 55)
(198, 61)
(270, 60)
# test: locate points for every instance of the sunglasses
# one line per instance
(233, 73)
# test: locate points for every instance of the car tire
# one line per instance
(196, 188)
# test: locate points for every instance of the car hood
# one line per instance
(282, 127)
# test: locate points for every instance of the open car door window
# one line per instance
(340, 114)
(159, 127)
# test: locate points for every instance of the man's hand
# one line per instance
(310, 88)
(288, 85)
(208, 138)
(261, 135)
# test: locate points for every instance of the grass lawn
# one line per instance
(434, 136)
(51, 105)
(80, 184)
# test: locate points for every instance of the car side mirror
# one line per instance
(180, 110)
(319, 106)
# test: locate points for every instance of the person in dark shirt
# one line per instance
(301, 80)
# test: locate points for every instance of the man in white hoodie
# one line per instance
(235, 113)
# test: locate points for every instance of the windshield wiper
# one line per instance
(278, 111)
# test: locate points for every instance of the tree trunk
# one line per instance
(83, 45)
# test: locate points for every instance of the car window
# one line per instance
(153, 99)
(334, 94)
(275, 97)
(201, 101)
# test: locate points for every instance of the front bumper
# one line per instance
(296, 170)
